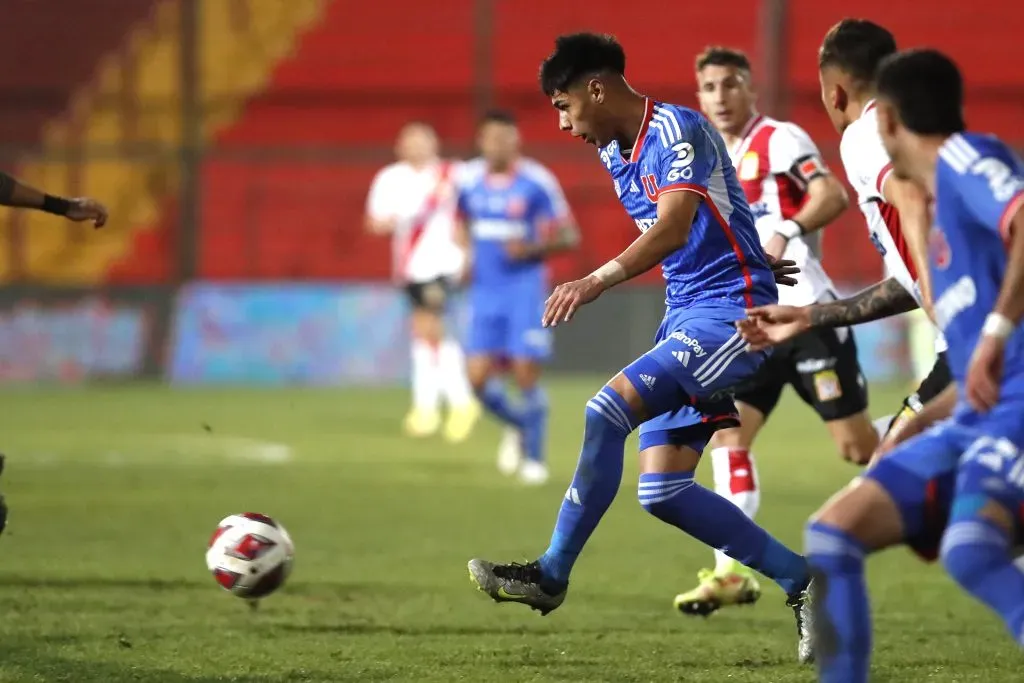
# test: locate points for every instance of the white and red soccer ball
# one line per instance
(250, 555)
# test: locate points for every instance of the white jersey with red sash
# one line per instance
(775, 161)
(422, 203)
(867, 167)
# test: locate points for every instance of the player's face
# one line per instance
(833, 96)
(726, 96)
(416, 144)
(581, 114)
(499, 143)
(893, 139)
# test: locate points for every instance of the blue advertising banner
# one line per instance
(289, 334)
(74, 335)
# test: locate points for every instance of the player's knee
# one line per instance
(607, 413)
(865, 512)
(659, 493)
(971, 551)
(855, 437)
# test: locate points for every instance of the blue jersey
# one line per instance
(498, 209)
(678, 150)
(979, 186)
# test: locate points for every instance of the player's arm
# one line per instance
(669, 233)
(882, 300)
(992, 189)
(793, 154)
(1010, 303)
(767, 326)
(17, 194)
(912, 204)
(564, 236)
(937, 409)
(378, 219)
(550, 210)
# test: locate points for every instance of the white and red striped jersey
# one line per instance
(775, 161)
(423, 204)
(867, 167)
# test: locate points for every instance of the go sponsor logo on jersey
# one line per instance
(680, 166)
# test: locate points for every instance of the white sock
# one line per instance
(736, 479)
(426, 376)
(454, 382)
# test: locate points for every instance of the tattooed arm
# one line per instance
(885, 299)
(770, 325)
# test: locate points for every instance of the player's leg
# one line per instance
(735, 478)
(826, 374)
(978, 548)
(424, 418)
(464, 411)
(903, 498)
(931, 386)
(534, 403)
(667, 489)
(530, 348)
(486, 344)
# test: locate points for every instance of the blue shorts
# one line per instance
(508, 327)
(951, 469)
(700, 349)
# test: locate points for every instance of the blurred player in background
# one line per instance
(792, 196)
(976, 249)
(17, 194)
(673, 176)
(414, 201)
(515, 216)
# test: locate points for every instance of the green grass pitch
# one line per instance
(115, 491)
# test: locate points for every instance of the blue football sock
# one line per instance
(842, 614)
(598, 475)
(977, 554)
(495, 399)
(535, 422)
(675, 498)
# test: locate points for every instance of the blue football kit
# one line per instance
(721, 271)
(506, 295)
(941, 479)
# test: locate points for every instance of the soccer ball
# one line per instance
(250, 555)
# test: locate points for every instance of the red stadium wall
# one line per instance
(349, 87)
(42, 78)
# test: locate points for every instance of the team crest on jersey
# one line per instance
(516, 207)
(938, 248)
(749, 166)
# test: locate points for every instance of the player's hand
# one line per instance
(985, 373)
(567, 298)
(782, 269)
(770, 325)
(776, 247)
(901, 431)
(85, 209)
